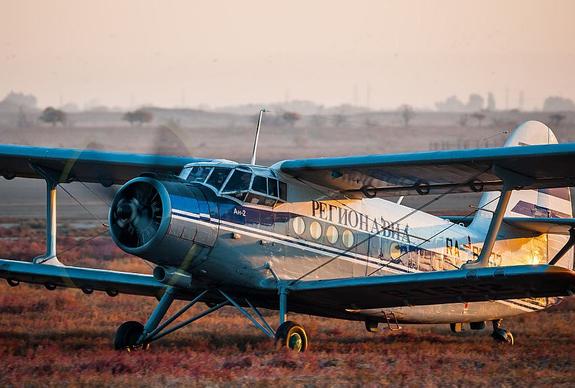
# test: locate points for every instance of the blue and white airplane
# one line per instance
(316, 236)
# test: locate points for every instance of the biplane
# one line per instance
(323, 236)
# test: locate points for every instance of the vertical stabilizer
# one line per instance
(544, 203)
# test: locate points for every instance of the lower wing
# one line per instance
(88, 279)
(427, 288)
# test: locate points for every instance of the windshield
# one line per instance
(198, 174)
(239, 181)
(218, 177)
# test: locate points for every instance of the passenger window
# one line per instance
(283, 191)
(272, 187)
(218, 177)
(239, 181)
(260, 184)
(198, 174)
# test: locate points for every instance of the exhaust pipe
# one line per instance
(173, 277)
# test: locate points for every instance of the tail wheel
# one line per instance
(127, 336)
(503, 336)
(292, 336)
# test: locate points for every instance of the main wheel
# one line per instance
(456, 327)
(292, 336)
(477, 325)
(371, 326)
(127, 336)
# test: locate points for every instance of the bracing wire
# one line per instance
(83, 206)
(101, 198)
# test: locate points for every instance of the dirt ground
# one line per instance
(64, 338)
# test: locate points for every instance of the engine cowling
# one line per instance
(158, 220)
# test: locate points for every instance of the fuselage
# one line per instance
(272, 227)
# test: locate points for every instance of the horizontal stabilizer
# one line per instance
(539, 225)
(542, 225)
(426, 288)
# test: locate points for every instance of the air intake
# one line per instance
(139, 214)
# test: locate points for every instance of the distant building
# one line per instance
(475, 103)
(558, 104)
(15, 102)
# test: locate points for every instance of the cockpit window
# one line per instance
(218, 177)
(260, 184)
(198, 174)
(283, 191)
(272, 187)
(239, 181)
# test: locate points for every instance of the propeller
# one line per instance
(136, 214)
(168, 138)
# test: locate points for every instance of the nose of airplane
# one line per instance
(166, 222)
(139, 214)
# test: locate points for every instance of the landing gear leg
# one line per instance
(289, 335)
(132, 335)
(500, 334)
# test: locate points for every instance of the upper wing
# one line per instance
(76, 277)
(68, 164)
(534, 166)
(425, 288)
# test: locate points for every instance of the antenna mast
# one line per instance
(255, 150)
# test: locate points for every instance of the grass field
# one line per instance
(63, 337)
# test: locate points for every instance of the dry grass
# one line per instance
(64, 337)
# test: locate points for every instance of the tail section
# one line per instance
(543, 203)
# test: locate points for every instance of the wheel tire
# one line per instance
(290, 335)
(371, 326)
(456, 327)
(503, 336)
(477, 325)
(510, 339)
(127, 335)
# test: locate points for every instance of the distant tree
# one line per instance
(407, 113)
(22, 120)
(555, 119)
(53, 116)
(479, 116)
(370, 122)
(463, 120)
(339, 120)
(140, 116)
(491, 102)
(291, 118)
(318, 120)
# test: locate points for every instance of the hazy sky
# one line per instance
(230, 52)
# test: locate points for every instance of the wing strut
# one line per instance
(511, 181)
(568, 245)
(49, 257)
